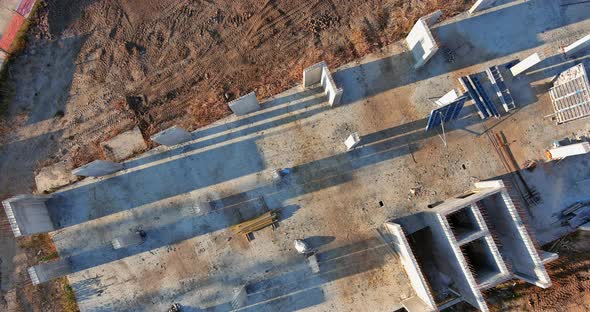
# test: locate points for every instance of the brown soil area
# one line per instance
(570, 275)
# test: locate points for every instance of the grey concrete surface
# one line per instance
(193, 259)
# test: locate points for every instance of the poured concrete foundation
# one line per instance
(245, 105)
(28, 214)
(97, 168)
(463, 245)
(47, 271)
(172, 136)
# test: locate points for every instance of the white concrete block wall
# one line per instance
(334, 94)
(570, 150)
(525, 64)
(172, 136)
(98, 168)
(422, 43)
(482, 5)
(319, 73)
(245, 104)
(578, 46)
(313, 74)
(490, 241)
(473, 286)
(410, 264)
(541, 273)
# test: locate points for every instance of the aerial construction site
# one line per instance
(339, 155)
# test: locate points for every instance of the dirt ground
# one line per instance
(92, 69)
(570, 276)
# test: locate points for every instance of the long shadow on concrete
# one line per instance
(183, 228)
(267, 111)
(474, 40)
(290, 286)
(308, 108)
(154, 183)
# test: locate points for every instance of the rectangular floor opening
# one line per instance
(480, 260)
(463, 223)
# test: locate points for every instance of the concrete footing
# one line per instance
(569, 150)
(47, 271)
(421, 41)
(245, 104)
(578, 46)
(466, 245)
(172, 136)
(28, 214)
(319, 73)
(98, 168)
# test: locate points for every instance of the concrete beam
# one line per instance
(172, 136)
(28, 214)
(578, 46)
(98, 168)
(525, 64)
(245, 104)
(47, 271)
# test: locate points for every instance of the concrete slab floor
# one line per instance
(337, 197)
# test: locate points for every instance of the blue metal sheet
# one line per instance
(486, 99)
(473, 94)
(446, 113)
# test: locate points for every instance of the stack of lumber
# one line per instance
(255, 224)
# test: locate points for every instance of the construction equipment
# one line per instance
(255, 224)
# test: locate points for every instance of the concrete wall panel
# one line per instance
(98, 168)
(577, 46)
(172, 136)
(244, 105)
(525, 64)
(421, 42)
(313, 74)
